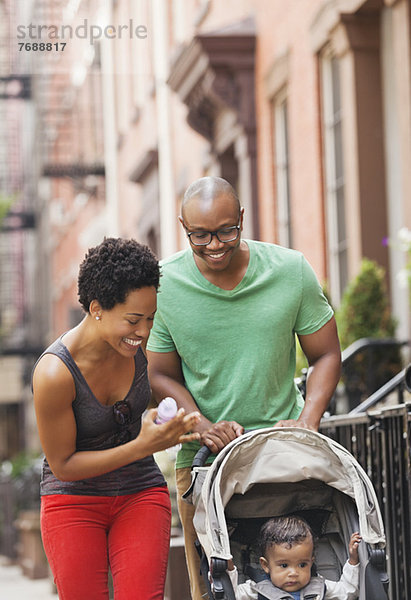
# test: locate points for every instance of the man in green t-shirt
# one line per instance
(223, 340)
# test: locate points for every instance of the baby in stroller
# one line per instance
(287, 557)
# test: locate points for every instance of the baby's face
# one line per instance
(289, 568)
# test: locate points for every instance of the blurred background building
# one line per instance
(303, 105)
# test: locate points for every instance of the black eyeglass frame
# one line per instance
(214, 233)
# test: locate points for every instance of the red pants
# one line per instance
(82, 535)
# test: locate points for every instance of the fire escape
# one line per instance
(51, 148)
(17, 234)
(17, 210)
(69, 113)
(68, 91)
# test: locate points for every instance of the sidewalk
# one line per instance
(15, 586)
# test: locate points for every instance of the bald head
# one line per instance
(206, 190)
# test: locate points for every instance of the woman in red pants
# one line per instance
(104, 502)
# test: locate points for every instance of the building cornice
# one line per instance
(216, 70)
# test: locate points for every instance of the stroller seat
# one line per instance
(311, 499)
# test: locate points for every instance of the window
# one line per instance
(334, 176)
(281, 163)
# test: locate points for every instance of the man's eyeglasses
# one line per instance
(122, 416)
(203, 238)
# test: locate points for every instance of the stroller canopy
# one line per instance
(278, 456)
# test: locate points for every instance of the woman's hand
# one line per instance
(160, 437)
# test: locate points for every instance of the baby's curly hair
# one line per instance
(114, 268)
(288, 530)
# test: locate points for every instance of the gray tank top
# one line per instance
(97, 430)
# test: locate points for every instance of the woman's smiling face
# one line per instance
(127, 325)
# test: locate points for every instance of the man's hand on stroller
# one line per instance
(310, 416)
(296, 423)
(220, 434)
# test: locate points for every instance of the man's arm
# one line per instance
(323, 353)
(166, 379)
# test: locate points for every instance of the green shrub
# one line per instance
(5, 205)
(365, 310)
(365, 313)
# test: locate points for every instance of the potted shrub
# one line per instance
(365, 313)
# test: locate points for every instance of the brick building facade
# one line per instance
(303, 106)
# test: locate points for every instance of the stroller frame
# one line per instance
(278, 471)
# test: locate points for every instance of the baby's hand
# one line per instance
(353, 548)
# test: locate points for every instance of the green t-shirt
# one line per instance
(237, 347)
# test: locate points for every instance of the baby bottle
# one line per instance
(167, 409)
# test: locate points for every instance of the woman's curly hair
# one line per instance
(114, 268)
(288, 530)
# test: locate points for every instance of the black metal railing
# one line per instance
(367, 365)
(380, 441)
(398, 384)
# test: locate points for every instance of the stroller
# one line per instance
(274, 472)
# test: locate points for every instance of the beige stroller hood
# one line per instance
(278, 456)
